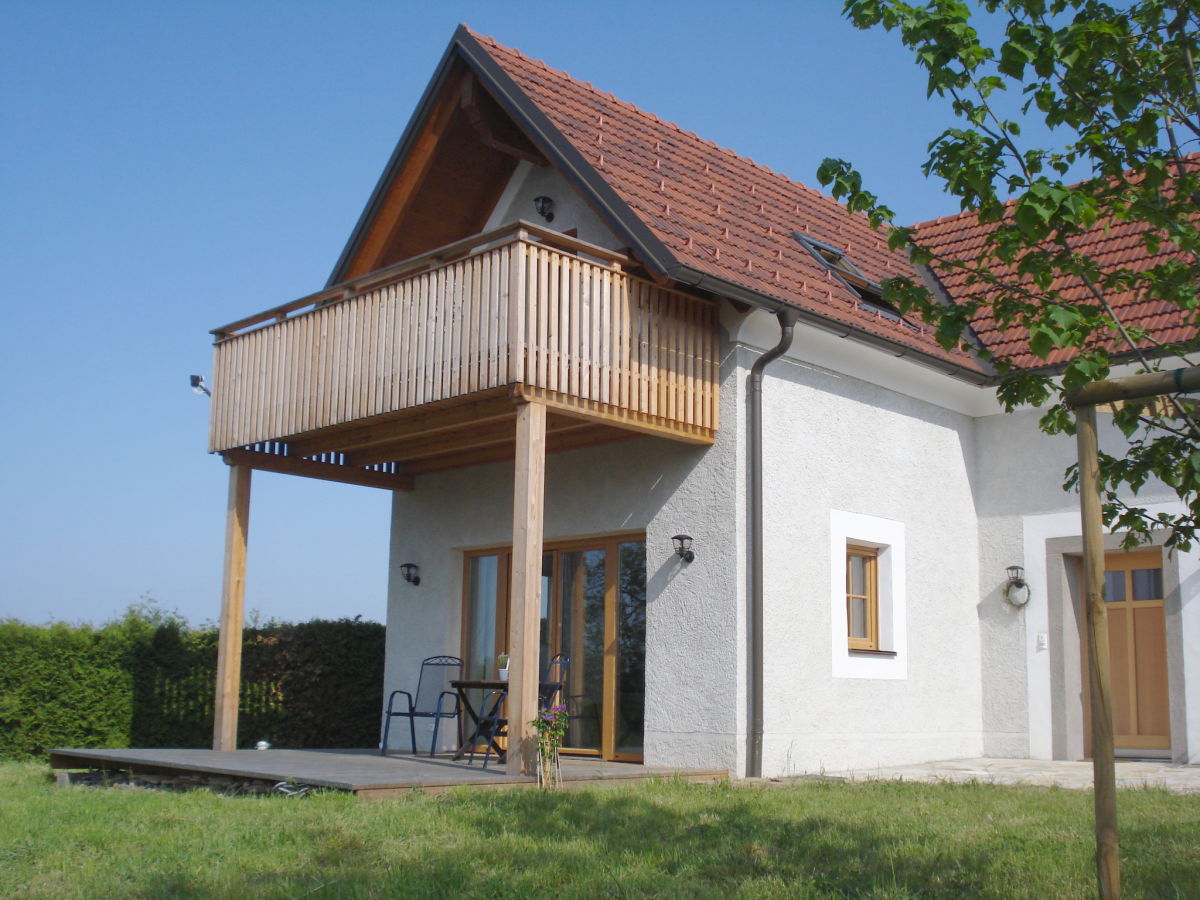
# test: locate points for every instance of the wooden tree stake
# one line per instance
(1108, 866)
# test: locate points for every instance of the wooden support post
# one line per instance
(233, 610)
(1108, 868)
(526, 605)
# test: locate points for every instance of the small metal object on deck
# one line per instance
(263, 745)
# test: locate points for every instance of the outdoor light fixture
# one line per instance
(199, 387)
(1016, 591)
(411, 573)
(683, 547)
(545, 207)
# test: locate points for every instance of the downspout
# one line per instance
(754, 627)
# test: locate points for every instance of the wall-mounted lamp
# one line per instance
(411, 573)
(199, 387)
(545, 207)
(1016, 591)
(683, 547)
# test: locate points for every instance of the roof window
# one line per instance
(870, 294)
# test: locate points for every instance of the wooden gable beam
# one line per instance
(469, 102)
(406, 183)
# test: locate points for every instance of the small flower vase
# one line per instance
(504, 674)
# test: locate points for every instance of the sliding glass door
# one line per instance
(594, 612)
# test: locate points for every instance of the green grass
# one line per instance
(878, 840)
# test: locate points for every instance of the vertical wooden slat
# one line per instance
(454, 355)
(560, 277)
(474, 343)
(573, 307)
(421, 338)
(537, 291)
(516, 304)
(407, 345)
(337, 363)
(490, 318)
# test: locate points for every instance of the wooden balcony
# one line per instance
(419, 366)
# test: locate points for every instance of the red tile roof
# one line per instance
(727, 217)
(717, 212)
(1112, 243)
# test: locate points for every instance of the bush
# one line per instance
(148, 680)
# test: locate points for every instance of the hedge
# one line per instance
(148, 679)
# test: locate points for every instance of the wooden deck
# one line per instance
(363, 772)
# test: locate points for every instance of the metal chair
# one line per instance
(492, 724)
(553, 685)
(433, 689)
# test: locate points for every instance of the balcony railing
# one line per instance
(521, 306)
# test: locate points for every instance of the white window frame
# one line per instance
(887, 537)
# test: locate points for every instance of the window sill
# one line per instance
(887, 653)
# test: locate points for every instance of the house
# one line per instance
(573, 339)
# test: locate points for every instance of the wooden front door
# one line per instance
(1137, 643)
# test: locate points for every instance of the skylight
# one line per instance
(869, 292)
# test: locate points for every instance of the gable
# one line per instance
(692, 213)
(445, 179)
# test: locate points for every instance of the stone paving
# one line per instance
(1046, 773)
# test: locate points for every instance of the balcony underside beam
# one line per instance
(434, 418)
(291, 465)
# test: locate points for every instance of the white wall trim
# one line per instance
(888, 535)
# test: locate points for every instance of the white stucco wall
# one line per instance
(839, 452)
(693, 610)
(570, 212)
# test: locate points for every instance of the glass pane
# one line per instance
(1114, 587)
(581, 637)
(481, 616)
(631, 646)
(857, 616)
(858, 575)
(544, 636)
(1147, 584)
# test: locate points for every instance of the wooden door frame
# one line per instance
(607, 541)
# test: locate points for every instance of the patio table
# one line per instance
(545, 689)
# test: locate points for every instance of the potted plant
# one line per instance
(502, 665)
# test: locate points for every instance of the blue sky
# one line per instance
(166, 168)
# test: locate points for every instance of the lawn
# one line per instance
(667, 839)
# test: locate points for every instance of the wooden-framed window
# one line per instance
(862, 597)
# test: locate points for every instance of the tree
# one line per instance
(1113, 92)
